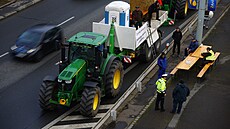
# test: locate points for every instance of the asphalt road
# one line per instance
(20, 81)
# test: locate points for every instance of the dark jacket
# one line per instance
(177, 36)
(137, 15)
(153, 7)
(193, 46)
(180, 92)
(162, 63)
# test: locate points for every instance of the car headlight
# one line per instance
(31, 50)
(59, 80)
(68, 82)
(13, 47)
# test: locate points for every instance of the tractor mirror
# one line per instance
(105, 52)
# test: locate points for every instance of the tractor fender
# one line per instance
(109, 63)
(49, 78)
(90, 84)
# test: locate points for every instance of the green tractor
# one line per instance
(87, 73)
(177, 9)
(180, 6)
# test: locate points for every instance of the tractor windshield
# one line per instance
(81, 52)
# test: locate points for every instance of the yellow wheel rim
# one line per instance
(186, 8)
(116, 79)
(95, 101)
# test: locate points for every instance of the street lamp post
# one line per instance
(199, 32)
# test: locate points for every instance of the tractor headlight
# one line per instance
(68, 82)
(59, 80)
(30, 51)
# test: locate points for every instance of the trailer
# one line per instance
(132, 43)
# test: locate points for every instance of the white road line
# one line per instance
(172, 124)
(80, 117)
(4, 54)
(131, 67)
(74, 126)
(108, 106)
(66, 21)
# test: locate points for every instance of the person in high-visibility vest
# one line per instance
(161, 92)
(209, 56)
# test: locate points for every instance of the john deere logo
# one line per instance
(193, 2)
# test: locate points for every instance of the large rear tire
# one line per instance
(114, 79)
(182, 8)
(158, 42)
(90, 101)
(146, 54)
(45, 95)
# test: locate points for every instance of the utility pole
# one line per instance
(199, 32)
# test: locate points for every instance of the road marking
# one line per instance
(66, 21)
(176, 117)
(4, 54)
(225, 59)
(75, 126)
(80, 117)
(131, 67)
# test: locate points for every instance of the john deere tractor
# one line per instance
(180, 6)
(90, 71)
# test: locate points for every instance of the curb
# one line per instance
(7, 4)
(19, 8)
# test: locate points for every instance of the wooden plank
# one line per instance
(187, 63)
(205, 68)
(173, 71)
(199, 50)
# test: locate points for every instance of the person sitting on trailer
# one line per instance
(137, 16)
(153, 8)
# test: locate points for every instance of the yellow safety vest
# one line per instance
(161, 85)
(212, 57)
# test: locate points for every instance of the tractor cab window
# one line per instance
(81, 52)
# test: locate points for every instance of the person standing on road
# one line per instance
(137, 16)
(180, 93)
(177, 36)
(161, 92)
(162, 63)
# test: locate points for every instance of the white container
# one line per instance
(118, 12)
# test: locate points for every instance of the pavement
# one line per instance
(206, 109)
(208, 105)
(15, 6)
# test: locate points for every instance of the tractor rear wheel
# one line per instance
(182, 8)
(90, 101)
(45, 95)
(146, 54)
(158, 42)
(114, 79)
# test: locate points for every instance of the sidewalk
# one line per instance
(206, 110)
(15, 6)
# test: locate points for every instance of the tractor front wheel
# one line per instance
(114, 79)
(90, 101)
(45, 95)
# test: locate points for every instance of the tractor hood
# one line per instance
(71, 70)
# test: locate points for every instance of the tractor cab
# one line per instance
(87, 46)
